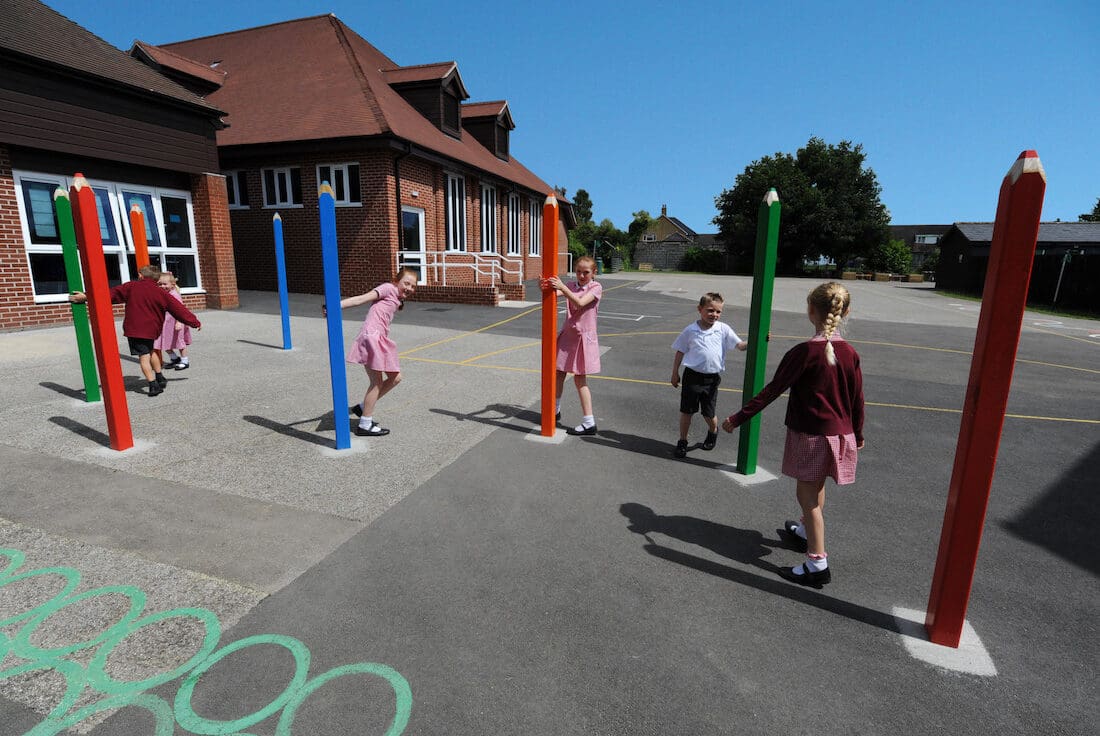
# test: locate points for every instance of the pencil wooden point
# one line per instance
(1027, 163)
(276, 216)
(59, 192)
(771, 197)
(79, 182)
(326, 188)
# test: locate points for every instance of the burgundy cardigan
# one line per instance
(146, 304)
(825, 399)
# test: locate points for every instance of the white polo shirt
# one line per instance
(705, 350)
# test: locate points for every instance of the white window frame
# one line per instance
(455, 198)
(534, 228)
(488, 218)
(515, 248)
(342, 169)
(121, 213)
(649, 237)
(926, 239)
(279, 203)
(234, 183)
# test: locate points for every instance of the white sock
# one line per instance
(588, 420)
(171, 354)
(365, 422)
(817, 564)
(557, 406)
(185, 361)
(801, 530)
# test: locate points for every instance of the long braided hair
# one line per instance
(830, 302)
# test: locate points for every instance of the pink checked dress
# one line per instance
(578, 345)
(373, 346)
(171, 338)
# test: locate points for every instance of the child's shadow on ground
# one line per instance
(507, 416)
(649, 446)
(745, 546)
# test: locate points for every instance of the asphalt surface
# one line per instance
(460, 576)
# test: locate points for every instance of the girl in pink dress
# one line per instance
(824, 423)
(373, 348)
(578, 345)
(175, 335)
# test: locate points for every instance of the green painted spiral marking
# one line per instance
(195, 723)
(22, 646)
(100, 680)
(72, 580)
(401, 690)
(123, 694)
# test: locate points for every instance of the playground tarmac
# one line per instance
(233, 573)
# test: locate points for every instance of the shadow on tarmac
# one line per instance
(1065, 518)
(83, 430)
(746, 546)
(325, 423)
(530, 419)
(73, 393)
(261, 344)
(648, 446)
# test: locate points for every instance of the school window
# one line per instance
(235, 190)
(282, 187)
(927, 239)
(534, 228)
(169, 231)
(513, 225)
(456, 212)
(488, 218)
(344, 180)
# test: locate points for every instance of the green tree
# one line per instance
(1094, 216)
(831, 206)
(893, 256)
(582, 206)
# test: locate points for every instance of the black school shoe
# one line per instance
(710, 441)
(374, 430)
(796, 542)
(812, 579)
(681, 448)
(582, 432)
(155, 389)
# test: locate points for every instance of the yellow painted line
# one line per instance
(1059, 334)
(648, 382)
(476, 358)
(471, 332)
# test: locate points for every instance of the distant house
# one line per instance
(921, 239)
(70, 102)
(421, 177)
(665, 242)
(1068, 252)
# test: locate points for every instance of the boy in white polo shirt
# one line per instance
(701, 349)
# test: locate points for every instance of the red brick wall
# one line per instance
(215, 240)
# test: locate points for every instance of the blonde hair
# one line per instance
(584, 259)
(711, 296)
(830, 302)
(171, 277)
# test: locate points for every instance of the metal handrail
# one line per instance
(493, 266)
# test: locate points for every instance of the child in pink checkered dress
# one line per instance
(824, 423)
(578, 343)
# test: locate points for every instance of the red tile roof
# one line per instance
(284, 83)
(166, 58)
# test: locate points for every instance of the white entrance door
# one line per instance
(411, 253)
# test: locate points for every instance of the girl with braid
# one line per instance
(824, 423)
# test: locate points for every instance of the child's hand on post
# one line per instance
(78, 297)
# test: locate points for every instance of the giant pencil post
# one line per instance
(280, 270)
(141, 241)
(90, 242)
(549, 314)
(330, 262)
(760, 319)
(65, 230)
(1011, 254)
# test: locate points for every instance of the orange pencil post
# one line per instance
(90, 243)
(549, 313)
(1011, 254)
(141, 242)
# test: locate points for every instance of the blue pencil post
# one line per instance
(330, 262)
(280, 268)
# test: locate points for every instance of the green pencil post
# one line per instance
(760, 319)
(64, 211)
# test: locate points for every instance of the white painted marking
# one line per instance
(507, 304)
(359, 446)
(1094, 335)
(970, 658)
(535, 435)
(81, 403)
(139, 447)
(1047, 323)
(760, 476)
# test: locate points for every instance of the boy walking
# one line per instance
(143, 320)
(701, 349)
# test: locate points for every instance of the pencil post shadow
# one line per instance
(261, 344)
(745, 546)
(83, 430)
(325, 423)
(530, 419)
(649, 446)
(73, 393)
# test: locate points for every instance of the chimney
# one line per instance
(664, 210)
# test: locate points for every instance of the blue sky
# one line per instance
(650, 103)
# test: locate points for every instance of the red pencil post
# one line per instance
(549, 314)
(90, 244)
(141, 241)
(1011, 254)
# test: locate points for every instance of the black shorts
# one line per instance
(699, 392)
(140, 345)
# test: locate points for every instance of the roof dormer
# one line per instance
(490, 124)
(190, 74)
(435, 90)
